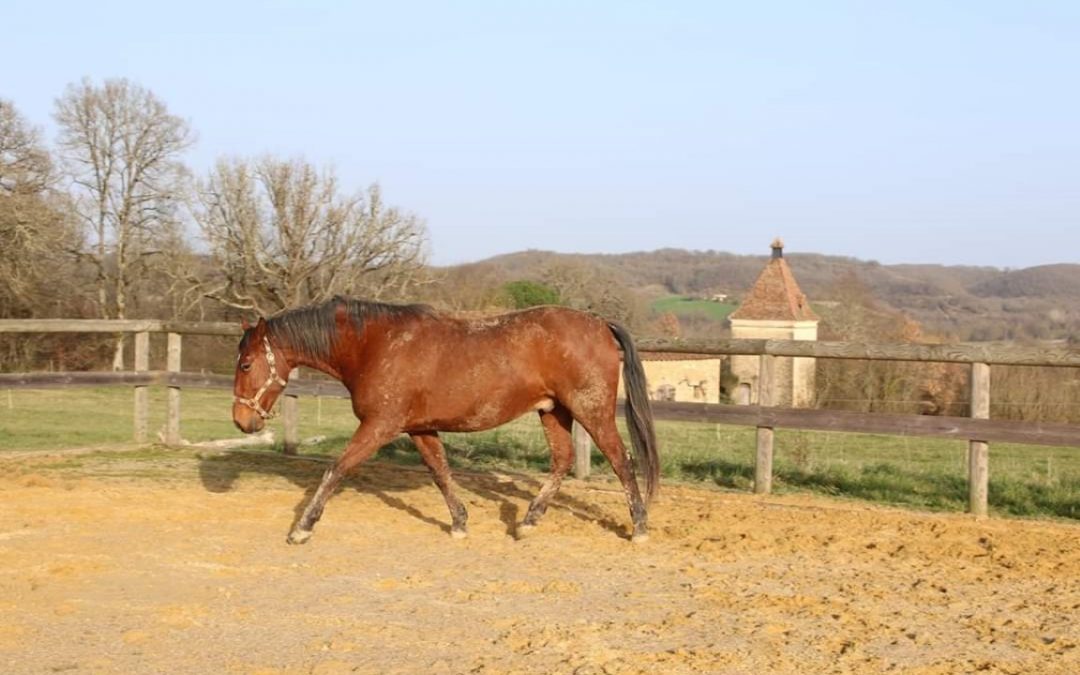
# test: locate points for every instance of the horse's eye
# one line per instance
(245, 366)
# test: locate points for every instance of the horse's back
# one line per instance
(549, 339)
(571, 354)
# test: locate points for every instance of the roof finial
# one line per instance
(778, 248)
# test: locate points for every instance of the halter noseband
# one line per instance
(255, 401)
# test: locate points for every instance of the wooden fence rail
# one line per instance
(991, 354)
(924, 426)
(118, 326)
(978, 430)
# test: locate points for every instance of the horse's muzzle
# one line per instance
(248, 422)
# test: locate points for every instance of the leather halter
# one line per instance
(255, 402)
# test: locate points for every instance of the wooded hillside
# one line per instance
(958, 302)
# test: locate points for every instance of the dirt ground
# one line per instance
(182, 567)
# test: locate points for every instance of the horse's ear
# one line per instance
(244, 323)
(262, 323)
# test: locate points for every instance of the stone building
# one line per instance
(682, 377)
(776, 309)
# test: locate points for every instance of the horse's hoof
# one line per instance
(524, 530)
(299, 536)
(459, 534)
(640, 538)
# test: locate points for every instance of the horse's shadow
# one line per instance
(220, 471)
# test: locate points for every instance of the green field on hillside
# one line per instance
(924, 473)
(682, 306)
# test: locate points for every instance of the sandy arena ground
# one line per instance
(182, 567)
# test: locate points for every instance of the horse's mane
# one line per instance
(312, 330)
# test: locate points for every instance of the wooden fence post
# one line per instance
(172, 364)
(290, 418)
(979, 451)
(582, 451)
(763, 466)
(142, 393)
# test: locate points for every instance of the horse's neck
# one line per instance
(295, 360)
(337, 363)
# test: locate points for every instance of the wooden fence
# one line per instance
(978, 430)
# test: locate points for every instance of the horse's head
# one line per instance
(261, 375)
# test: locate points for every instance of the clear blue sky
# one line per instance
(896, 131)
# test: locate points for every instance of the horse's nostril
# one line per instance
(248, 424)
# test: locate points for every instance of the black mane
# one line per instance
(312, 330)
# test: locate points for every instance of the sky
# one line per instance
(902, 132)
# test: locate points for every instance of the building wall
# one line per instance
(804, 382)
(692, 380)
(795, 377)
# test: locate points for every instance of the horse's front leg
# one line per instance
(364, 443)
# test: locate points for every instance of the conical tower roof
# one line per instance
(775, 295)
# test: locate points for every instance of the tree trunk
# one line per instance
(118, 353)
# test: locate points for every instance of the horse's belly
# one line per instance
(488, 414)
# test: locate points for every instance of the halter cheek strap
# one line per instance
(255, 402)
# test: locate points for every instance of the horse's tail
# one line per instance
(639, 412)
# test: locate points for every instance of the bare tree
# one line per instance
(37, 278)
(590, 288)
(25, 165)
(877, 386)
(121, 149)
(33, 227)
(473, 287)
(282, 234)
(183, 272)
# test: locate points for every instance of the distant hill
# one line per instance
(957, 302)
(1045, 281)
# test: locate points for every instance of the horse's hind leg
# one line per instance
(606, 436)
(557, 425)
(434, 455)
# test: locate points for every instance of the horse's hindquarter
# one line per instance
(468, 375)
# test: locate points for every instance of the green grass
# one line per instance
(32, 419)
(917, 472)
(688, 307)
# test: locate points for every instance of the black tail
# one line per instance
(639, 413)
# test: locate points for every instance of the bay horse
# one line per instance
(412, 370)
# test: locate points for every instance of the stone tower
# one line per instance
(775, 309)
